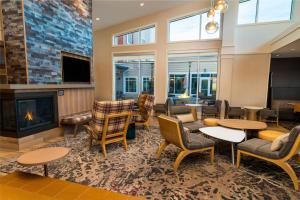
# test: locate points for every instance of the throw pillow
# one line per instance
(279, 142)
(184, 118)
(187, 133)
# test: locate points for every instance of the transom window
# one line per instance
(145, 35)
(257, 11)
(192, 28)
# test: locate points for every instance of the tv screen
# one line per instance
(75, 70)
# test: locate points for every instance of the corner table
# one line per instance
(230, 135)
(252, 112)
(43, 156)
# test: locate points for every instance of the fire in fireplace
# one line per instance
(24, 114)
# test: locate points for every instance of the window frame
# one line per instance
(149, 77)
(199, 12)
(175, 73)
(256, 22)
(209, 78)
(124, 85)
(138, 29)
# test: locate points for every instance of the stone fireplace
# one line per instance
(26, 113)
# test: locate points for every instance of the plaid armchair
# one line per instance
(110, 120)
(145, 105)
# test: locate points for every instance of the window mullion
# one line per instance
(257, 9)
(200, 22)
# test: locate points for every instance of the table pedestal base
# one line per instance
(45, 170)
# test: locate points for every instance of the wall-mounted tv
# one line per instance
(76, 69)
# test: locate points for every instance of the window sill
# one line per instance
(263, 23)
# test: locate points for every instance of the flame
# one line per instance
(184, 95)
(29, 116)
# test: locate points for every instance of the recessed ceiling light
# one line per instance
(97, 18)
(142, 4)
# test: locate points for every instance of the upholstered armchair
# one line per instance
(233, 112)
(262, 149)
(213, 110)
(174, 133)
(145, 106)
(110, 120)
(268, 115)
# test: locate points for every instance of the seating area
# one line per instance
(150, 99)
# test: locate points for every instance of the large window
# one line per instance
(192, 75)
(192, 28)
(144, 35)
(134, 74)
(256, 11)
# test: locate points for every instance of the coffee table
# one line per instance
(252, 112)
(230, 135)
(43, 156)
(242, 124)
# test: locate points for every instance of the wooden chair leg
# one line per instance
(125, 143)
(212, 154)
(289, 170)
(238, 159)
(161, 147)
(179, 158)
(103, 150)
(76, 130)
(90, 143)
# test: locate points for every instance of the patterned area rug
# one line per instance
(138, 172)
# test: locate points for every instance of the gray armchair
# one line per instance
(233, 112)
(177, 110)
(213, 110)
(268, 115)
(173, 133)
(261, 149)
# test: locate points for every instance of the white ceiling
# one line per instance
(288, 51)
(112, 12)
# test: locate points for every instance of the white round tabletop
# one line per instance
(222, 133)
(43, 155)
(253, 107)
(194, 104)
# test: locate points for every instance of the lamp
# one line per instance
(211, 12)
(221, 5)
(212, 27)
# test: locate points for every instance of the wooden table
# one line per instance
(242, 124)
(230, 135)
(43, 156)
(252, 112)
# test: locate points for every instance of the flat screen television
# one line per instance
(76, 70)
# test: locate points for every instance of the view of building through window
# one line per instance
(134, 74)
(192, 76)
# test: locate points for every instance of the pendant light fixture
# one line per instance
(221, 5)
(211, 12)
(212, 27)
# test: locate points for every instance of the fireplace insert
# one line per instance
(24, 114)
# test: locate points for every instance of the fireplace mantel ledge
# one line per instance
(44, 86)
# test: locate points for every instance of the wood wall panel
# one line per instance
(75, 101)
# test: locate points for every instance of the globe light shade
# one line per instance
(212, 27)
(221, 5)
(211, 15)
